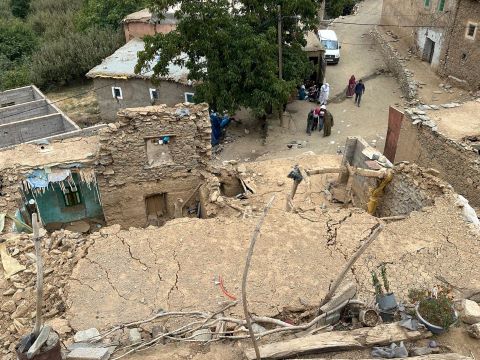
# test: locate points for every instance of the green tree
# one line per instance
(20, 8)
(70, 57)
(108, 13)
(17, 40)
(232, 52)
(336, 8)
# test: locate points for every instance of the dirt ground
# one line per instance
(79, 102)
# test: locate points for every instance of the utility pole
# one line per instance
(280, 61)
(321, 12)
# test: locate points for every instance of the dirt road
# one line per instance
(359, 56)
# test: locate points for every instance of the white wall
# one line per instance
(434, 35)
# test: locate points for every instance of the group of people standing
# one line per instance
(355, 88)
(320, 118)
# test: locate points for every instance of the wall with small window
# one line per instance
(130, 93)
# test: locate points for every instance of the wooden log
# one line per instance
(327, 170)
(347, 292)
(451, 356)
(337, 341)
(380, 174)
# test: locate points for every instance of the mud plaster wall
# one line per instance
(410, 190)
(463, 55)
(125, 177)
(430, 149)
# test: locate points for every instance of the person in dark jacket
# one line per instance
(327, 121)
(359, 91)
(310, 122)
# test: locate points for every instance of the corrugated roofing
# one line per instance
(121, 65)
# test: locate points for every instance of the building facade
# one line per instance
(118, 86)
(442, 32)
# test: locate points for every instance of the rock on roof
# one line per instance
(121, 65)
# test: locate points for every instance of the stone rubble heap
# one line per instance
(61, 252)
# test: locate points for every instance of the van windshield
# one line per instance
(330, 44)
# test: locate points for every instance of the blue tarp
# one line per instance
(38, 179)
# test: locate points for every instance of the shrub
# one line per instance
(436, 310)
(17, 40)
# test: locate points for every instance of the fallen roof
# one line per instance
(28, 156)
(121, 65)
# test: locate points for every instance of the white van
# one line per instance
(329, 40)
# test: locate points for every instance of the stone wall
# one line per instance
(396, 65)
(126, 177)
(458, 163)
(462, 58)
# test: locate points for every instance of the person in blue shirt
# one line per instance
(218, 124)
(359, 91)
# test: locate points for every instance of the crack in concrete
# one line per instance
(175, 285)
(125, 242)
(333, 226)
(108, 279)
(158, 270)
(84, 284)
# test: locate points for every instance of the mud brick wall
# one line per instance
(462, 58)
(126, 177)
(457, 163)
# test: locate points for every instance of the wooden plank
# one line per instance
(383, 334)
(327, 170)
(450, 356)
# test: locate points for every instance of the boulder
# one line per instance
(85, 335)
(471, 312)
(474, 331)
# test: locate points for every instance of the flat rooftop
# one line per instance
(27, 115)
(458, 122)
(28, 156)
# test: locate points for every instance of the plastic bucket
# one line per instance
(387, 302)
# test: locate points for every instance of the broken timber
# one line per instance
(339, 340)
(450, 356)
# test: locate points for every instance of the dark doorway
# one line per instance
(428, 50)
(156, 207)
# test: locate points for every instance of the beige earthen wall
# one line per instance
(125, 177)
(457, 165)
(462, 59)
(140, 29)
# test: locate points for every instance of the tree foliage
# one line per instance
(232, 53)
(108, 13)
(20, 8)
(16, 40)
(336, 8)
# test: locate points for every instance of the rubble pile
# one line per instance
(61, 252)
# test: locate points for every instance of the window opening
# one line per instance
(153, 94)
(189, 97)
(471, 30)
(117, 92)
(71, 196)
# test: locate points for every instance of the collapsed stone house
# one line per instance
(442, 32)
(445, 138)
(26, 115)
(150, 166)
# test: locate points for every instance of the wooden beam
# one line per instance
(383, 334)
(327, 170)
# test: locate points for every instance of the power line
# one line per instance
(386, 25)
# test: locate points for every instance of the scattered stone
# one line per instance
(421, 351)
(280, 182)
(257, 329)
(434, 107)
(134, 336)
(448, 86)
(202, 335)
(429, 123)
(61, 326)
(438, 92)
(417, 122)
(89, 354)
(242, 168)
(85, 335)
(419, 112)
(474, 331)
(8, 306)
(471, 312)
(432, 171)
(9, 292)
